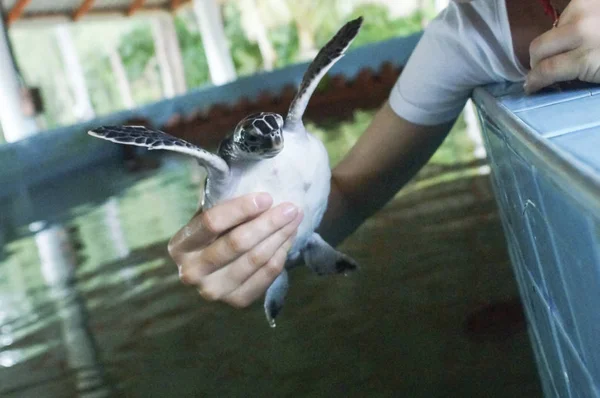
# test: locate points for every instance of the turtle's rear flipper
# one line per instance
(275, 297)
(324, 259)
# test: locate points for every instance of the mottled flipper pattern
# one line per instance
(156, 139)
(326, 57)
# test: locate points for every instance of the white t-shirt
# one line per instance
(467, 45)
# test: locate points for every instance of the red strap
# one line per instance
(550, 10)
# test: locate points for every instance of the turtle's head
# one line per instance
(259, 136)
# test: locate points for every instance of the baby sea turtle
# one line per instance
(266, 153)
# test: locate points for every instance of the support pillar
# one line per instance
(83, 109)
(15, 124)
(120, 74)
(168, 54)
(216, 47)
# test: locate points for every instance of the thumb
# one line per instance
(558, 68)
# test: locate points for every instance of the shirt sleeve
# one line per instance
(444, 68)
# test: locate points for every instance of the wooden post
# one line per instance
(216, 47)
(83, 105)
(175, 4)
(16, 11)
(136, 5)
(83, 9)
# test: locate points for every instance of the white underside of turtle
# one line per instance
(266, 154)
(299, 174)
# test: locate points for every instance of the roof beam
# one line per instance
(86, 11)
(175, 4)
(83, 9)
(136, 5)
(102, 14)
(16, 11)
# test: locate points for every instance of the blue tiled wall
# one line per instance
(544, 152)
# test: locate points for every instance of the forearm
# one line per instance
(384, 159)
(341, 217)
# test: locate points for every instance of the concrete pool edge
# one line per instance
(548, 193)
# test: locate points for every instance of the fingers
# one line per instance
(195, 265)
(225, 280)
(573, 10)
(568, 52)
(258, 283)
(555, 41)
(243, 238)
(559, 68)
(235, 250)
(206, 226)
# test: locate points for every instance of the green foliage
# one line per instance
(101, 83)
(285, 41)
(136, 49)
(378, 25)
(458, 147)
(321, 17)
(340, 137)
(246, 55)
(48, 74)
(134, 41)
(93, 42)
(192, 52)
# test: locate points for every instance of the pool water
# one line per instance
(91, 305)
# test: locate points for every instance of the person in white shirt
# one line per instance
(471, 43)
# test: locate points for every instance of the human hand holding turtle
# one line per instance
(569, 51)
(233, 251)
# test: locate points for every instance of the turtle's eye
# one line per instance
(252, 138)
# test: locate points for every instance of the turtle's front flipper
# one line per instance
(155, 139)
(275, 297)
(326, 57)
(324, 259)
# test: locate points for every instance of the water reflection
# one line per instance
(57, 260)
(90, 303)
(115, 232)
